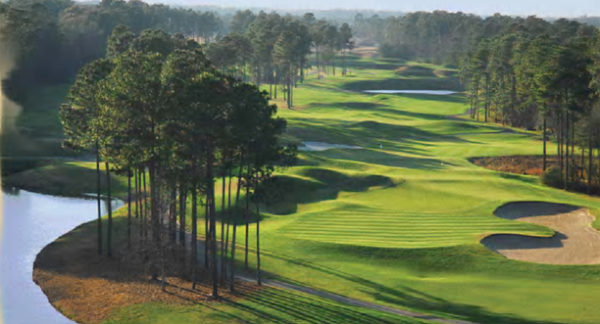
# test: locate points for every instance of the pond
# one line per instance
(320, 146)
(29, 222)
(425, 92)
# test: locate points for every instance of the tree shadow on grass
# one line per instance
(387, 159)
(327, 185)
(432, 83)
(407, 297)
(307, 309)
(367, 133)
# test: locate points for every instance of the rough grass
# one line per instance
(520, 164)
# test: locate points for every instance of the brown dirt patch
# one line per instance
(575, 241)
(88, 288)
(519, 164)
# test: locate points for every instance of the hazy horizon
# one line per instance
(575, 8)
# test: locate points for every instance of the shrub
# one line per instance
(553, 177)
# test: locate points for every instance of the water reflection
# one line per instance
(30, 222)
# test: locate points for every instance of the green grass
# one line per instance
(401, 225)
(266, 306)
(70, 179)
(416, 244)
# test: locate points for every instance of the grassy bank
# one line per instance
(94, 289)
(71, 179)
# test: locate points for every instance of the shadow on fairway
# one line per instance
(387, 159)
(306, 309)
(406, 297)
(368, 133)
(431, 83)
(327, 185)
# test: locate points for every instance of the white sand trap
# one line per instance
(575, 241)
(426, 92)
(320, 146)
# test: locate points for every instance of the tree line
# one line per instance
(543, 76)
(273, 49)
(55, 38)
(443, 37)
(158, 112)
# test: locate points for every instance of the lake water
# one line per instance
(320, 146)
(426, 92)
(31, 221)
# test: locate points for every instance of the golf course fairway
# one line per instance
(399, 222)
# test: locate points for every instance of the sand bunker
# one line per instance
(320, 146)
(575, 241)
(426, 92)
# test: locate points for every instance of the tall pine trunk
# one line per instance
(232, 259)
(545, 153)
(567, 133)
(247, 219)
(194, 238)
(258, 279)
(109, 205)
(213, 225)
(207, 232)
(182, 210)
(145, 208)
(129, 175)
(227, 230)
(223, 222)
(318, 68)
(173, 214)
(99, 198)
(590, 162)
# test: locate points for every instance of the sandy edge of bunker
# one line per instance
(574, 241)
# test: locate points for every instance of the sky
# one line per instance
(542, 8)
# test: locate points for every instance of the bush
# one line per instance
(553, 177)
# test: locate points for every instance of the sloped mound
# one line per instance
(446, 73)
(415, 71)
(575, 241)
(349, 183)
(324, 184)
